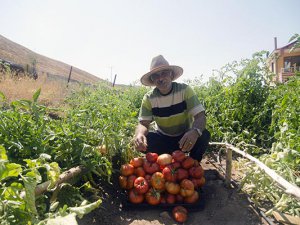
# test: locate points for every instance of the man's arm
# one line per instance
(140, 140)
(200, 121)
(189, 139)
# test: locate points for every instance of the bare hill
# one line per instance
(18, 54)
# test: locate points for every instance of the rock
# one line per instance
(165, 215)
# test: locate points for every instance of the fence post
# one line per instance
(228, 167)
(114, 80)
(70, 74)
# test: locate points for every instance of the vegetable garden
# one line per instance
(93, 130)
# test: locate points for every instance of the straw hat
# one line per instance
(159, 63)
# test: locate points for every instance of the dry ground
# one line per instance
(223, 206)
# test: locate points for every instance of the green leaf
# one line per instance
(53, 174)
(294, 37)
(36, 95)
(2, 96)
(69, 219)
(82, 210)
(30, 185)
(3, 155)
(10, 170)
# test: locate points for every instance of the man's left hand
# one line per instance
(188, 140)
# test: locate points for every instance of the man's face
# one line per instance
(163, 80)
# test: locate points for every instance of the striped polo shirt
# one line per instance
(173, 113)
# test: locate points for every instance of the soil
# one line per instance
(223, 206)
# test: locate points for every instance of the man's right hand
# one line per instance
(140, 143)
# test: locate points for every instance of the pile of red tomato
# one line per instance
(163, 179)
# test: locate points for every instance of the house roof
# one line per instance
(287, 46)
(284, 47)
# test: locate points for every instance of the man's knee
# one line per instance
(205, 137)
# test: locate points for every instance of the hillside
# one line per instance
(19, 54)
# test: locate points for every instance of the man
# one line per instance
(174, 107)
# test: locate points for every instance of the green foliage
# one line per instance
(17, 189)
(296, 38)
(243, 109)
(94, 116)
(235, 99)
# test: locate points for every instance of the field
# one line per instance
(47, 128)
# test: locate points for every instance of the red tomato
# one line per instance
(180, 214)
(141, 185)
(151, 168)
(158, 181)
(170, 199)
(163, 200)
(148, 179)
(198, 182)
(172, 188)
(176, 165)
(151, 157)
(127, 169)
(182, 174)
(137, 161)
(135, 197)
(164, 159)
(153, 197)
(130, 181)
(196, 171)
(178, 156)
(196, 163)
(202, 181)
(179, 198)
(187, 188)
(170, 173)
(139, 171)
(123, 181)
(187, 163)
(192, 199)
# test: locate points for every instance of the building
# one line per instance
(283, 62)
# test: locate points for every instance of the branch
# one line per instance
(287, 187)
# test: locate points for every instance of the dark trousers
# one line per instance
(160, 143)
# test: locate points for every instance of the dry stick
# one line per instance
(288, 187)
(228, 167)
(64, 177)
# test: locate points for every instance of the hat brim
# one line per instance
(177, 72)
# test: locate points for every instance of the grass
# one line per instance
(53, 92)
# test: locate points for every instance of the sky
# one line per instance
(121, 37)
